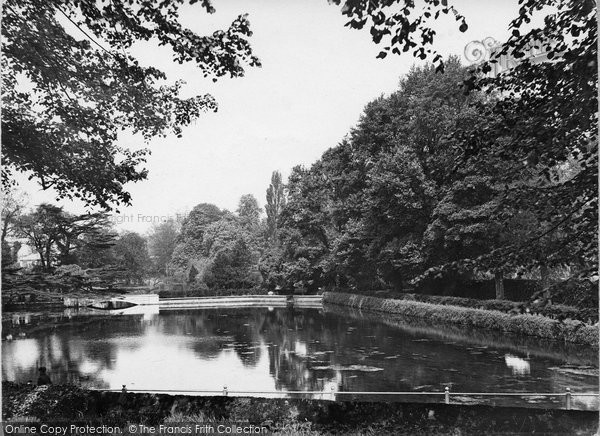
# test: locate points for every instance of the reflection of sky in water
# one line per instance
(171, 365)
(19, 354)
(300, 348)
(517, 365)
(283, 350)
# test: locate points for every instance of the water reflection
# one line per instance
(519, 366)
(280, 349)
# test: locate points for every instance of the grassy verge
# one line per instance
(285, 416)
(529, 325)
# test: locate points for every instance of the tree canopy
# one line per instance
(535, 144)
(68, 95)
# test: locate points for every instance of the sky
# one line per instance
(316, 77)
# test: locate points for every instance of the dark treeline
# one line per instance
(68, 252)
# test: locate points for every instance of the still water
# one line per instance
(284, 350)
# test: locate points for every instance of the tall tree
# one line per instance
(79, 230)
(42, 228)
(248, 211)
(358, 215)
(189, 244)
(68, 94)
(550, 109)
(161, 243)
(13, 204)
(232, 256)
(543, 116)
(131, 252)
(57, 235)
(275, 203)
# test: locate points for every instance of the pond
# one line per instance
(286, 350)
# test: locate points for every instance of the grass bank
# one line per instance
(285, 416)
(529, 325)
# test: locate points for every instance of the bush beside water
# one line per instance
(530, 325)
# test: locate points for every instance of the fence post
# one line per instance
(446, 395)
(568, 398)
(225, 391)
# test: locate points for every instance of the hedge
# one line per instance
(560, 311)
(530, 325)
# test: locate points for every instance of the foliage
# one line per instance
(402, 26)
(42, 228)
(57, 235)
(201, 216)
(356, 218)
(546, 116)
(161, 244)
(131, 253)
(534, 137)
(13, 205)
(96, 250)
(77, 252)
(218, 250)
(66, 100)
(249, 212)
(189, 245)
(233, 255)
(498, 177)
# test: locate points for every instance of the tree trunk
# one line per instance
(545, 276)
(4, 230)
(48, 257)
(42, 260)
(499, 282)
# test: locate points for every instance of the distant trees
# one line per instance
(57, 235)
(162, 241)
(232, 250)
(219, 250)
(75, 252)
(249, 212)
(189, 245)
(42, 228)
(131, 254)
